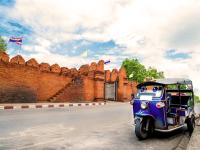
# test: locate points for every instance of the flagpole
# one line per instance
(17, 41)
(20, 48)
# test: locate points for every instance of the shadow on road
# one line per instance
(162, 135)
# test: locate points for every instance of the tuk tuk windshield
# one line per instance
(148, 92)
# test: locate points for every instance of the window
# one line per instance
(148, 92)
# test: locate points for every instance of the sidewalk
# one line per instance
(194, 143)
(46, 105)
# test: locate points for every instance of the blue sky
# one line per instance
(13, 27)
(173, 54)
(163, 34)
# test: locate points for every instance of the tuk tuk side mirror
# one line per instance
(168, 98)
(132, 99)
(132, 96)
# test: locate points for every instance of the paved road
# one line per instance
(106, 127)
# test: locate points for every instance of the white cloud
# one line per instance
(146, 28)
(84, 54)
(62, 60)
(64, 17)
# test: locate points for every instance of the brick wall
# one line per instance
(89, 89)
(21, 82)
(87, 86)
(29, 81)
(124, 87)
(73, 92)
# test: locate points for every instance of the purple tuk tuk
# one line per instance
(163, 105)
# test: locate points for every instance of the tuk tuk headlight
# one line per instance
(143, 105)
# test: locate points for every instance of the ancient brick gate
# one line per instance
(111, 91)
(29, 81)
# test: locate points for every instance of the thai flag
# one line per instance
(107, 62)
(16, 40)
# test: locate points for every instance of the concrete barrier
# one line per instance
(47, 105)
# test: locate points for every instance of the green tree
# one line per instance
(3, 45)
(134, 70)
(153, 73)
(137, 71)
(196, 99)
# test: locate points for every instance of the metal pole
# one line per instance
(20, 46)
(179, 88)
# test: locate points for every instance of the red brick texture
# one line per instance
(29, 81)
(131, 88)
(65, 71)
(4, 57)
(84, 69)
(114, 75)
(17, 60)
(25, 83)
(124, 87)
(89, 89)
(45, 67)
(55, 68)
(74, 72)
(107, 76)
(99, 79)
(93, 66)
(32, 63)
(72, 93)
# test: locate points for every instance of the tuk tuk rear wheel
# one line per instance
(191, 124)
(140, 129)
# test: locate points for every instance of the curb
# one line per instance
(194, 143)
(56, 105)
(183, 142)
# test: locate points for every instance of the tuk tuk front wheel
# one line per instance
(191, 124)
(140, 129)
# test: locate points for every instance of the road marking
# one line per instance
(31, 106)
(17, 107)
(66, 105)
(45, 106)
(56, 105)
(75, 105)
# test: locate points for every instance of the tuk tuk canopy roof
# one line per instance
(166, 81)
